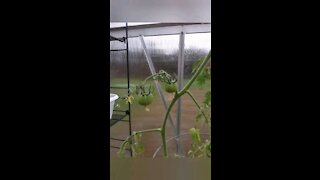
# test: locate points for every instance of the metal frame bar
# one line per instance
(153, 71)
(180, 83)
(115, 50)
(169, 34)
(117, 39)
(128, 112)
(128, 77)
(150, 25)
(118, 120)
(112, 87)
(121, 110)
(166, 30)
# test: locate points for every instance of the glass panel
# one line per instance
(196, 46)
(164, 52)
(139, 68)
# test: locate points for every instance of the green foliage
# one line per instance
(144, 89)
(207, 99)
(196, 65)
(204, 75)
(195, 134)
(202, 79)
(199, 116)
(164, 77)
(205, 109)
(134, 143)
(201, 75)
(198, 148)
(136, 147)
(123, 147)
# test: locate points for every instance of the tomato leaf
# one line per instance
(207, 98)
(196, 65)
(199, 116)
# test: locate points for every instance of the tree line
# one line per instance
(139, 67)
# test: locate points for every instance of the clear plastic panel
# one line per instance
(196, 46)
(164, 52)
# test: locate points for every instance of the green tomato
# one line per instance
(171, 88)
(145, 99)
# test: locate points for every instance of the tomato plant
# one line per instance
(201, 72)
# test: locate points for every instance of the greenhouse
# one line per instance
(160, 85)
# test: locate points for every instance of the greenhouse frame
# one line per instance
(125, 32)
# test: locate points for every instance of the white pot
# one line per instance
(113, 98)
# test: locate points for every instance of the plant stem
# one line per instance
(195, 101)
(163, 129)
(148, 130)
(176, 97)
(137, 132)
(146, 79)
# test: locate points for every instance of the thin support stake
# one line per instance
(128, 78)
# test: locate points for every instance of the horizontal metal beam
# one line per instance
(118, 49)
(117, 39)
(150, 25)
(166, 30)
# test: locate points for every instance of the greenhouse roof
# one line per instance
(123, 24)
(141, 25)
(154, 28)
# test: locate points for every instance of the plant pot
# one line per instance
(113, 98)
(185, 141)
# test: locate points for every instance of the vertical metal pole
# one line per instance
(180, 82)
(153, 71)
(128, 78)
